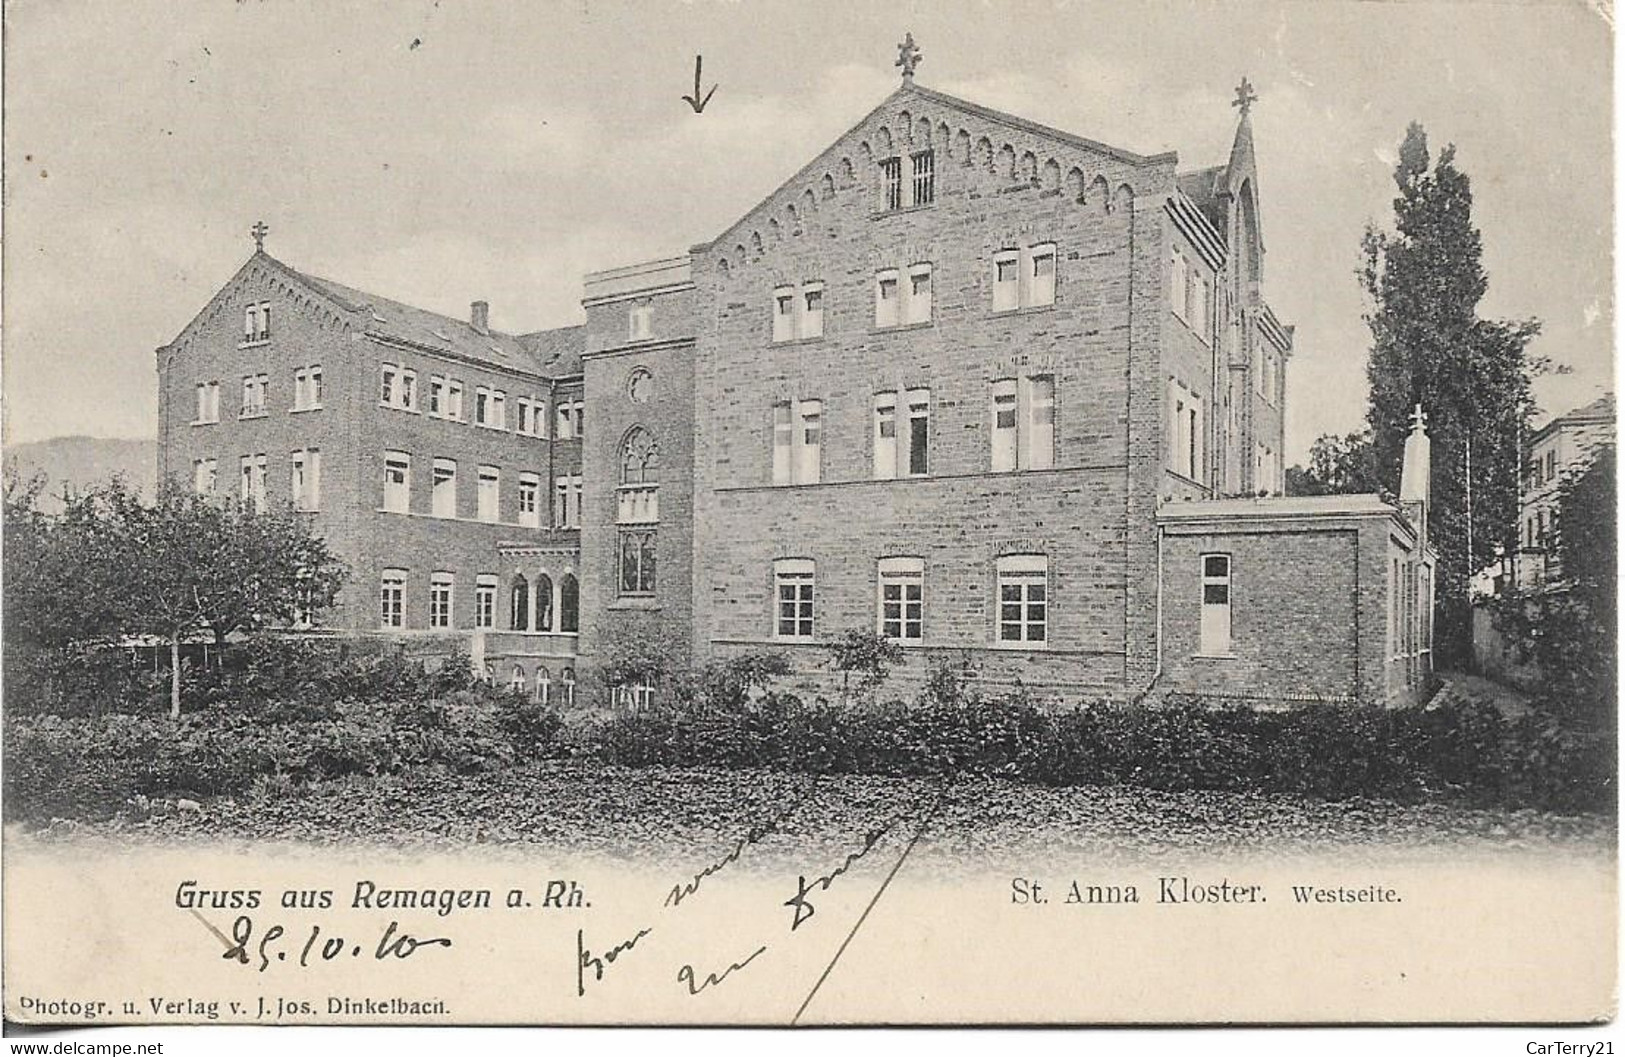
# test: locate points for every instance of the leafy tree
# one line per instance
(729, 683)
(864, 656)
(1571, 632)
(112, 565)
(1345, 465)
(1472, 376)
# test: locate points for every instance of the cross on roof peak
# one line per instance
(1419, 420)
(1245, 96)
(259, 231)
(908, 57)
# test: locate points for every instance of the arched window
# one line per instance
(544, 602)
(569, 604)
(567, 686)
(637, 513)
(519, 608)
(544, 685)
(516, 681)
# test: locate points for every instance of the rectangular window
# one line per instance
(1041, 286)
(1023, 598)
(440, 599)
(482, 406)
(567, 492)
(205, 476)
(640, 322)
(885, 436)
(812, 315)
(1199, 307)
(891, 175)
(793, 591)
(1004, 425)
(1186, 425)
(888, 299)
(208, 403)
(257, 322)
(454, 400)
(783, 436)
(409, 390)
(925, 178)
(901, 613)
(637, 562)
(437, 396)
(1178, 277)
(1038, 448)
(919, 294)
(784, 314)
(254, 388)
(1006, 280)
(1215, 626)
(306, 479)
(485, 602)
(391, 595)
(810, 441)
(397, 481)
(307, 388)
(919, 431)
(563, 430)
(387, 386)
(443, 488)
(489, 496)
(530, 502)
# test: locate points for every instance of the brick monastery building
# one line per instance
(996, 391)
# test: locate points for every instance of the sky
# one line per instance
(445, 153)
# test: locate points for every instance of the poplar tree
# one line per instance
(1472, 376)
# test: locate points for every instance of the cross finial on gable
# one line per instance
(1418, 419)
(259, 231)
(1245, 96)
(908, 57)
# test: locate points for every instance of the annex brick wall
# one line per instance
(1099, 341)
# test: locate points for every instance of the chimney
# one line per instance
(1415, 471)
(479, 316)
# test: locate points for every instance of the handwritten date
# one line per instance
(269, 947)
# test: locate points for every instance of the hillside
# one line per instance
(79, 462)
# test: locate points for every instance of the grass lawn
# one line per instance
(648, 813)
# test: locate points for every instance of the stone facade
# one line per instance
(979, 385)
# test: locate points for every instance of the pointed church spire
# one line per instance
(1242, 147)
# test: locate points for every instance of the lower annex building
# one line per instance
(1007, 396)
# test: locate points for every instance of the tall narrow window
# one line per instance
(485, 601)
(208, 403)
(437, 396)
(569, 604)
(901, 613)
(919, 431)
(567, 495)
(440, 600)
(1023, 598)
(397, 481)
(925, 178)
(1039, 446)
(454, 399)
(409, 390)
(205, 476)
(891, 175)
(919, 294)
(783, 437)
(888, 299)
(443, 493)
(810, 441)
(252, 494)
(306, 479)
(793, 589)
(482, 406)
(489, 496)
(1215, 627)
(1178, 277)
(885, 436)
(812, 316)
(1041, 283)
(544, 602)
(387, 385)
(1006, 280)
(784, 313)
(638, 510)
(391, 598)
(530, 505)
(251, 322)
(640, 322)
(519, 603)
(1004, 425)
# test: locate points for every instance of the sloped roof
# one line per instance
(1202, 187)
(558, 351)
(1599, 410)
(418, 326)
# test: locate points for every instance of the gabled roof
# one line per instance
(1203, 187)
(1599, 410)
(391, 319)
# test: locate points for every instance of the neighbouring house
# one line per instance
(1000, 393)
